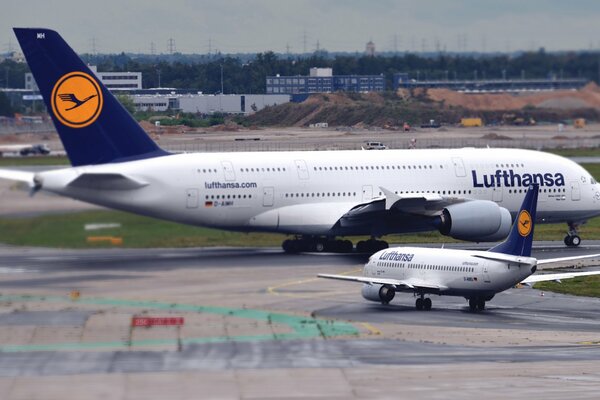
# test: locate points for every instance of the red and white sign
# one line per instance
(164, 321)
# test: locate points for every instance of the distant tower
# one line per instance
(370, 49)
(171, 49)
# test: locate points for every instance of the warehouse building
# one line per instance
(209, 104)
(114, 81)
(322, 80)
(404, 81)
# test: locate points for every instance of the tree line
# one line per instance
(244, 74)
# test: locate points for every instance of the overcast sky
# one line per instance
(250, 26)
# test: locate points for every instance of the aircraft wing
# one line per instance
(395, 283)
(556, 277)
(410, 203)
(20, 176)
(564, 259)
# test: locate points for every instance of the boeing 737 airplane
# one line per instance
(468, 194)
(475, 275)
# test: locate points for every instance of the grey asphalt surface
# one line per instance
(514, 309)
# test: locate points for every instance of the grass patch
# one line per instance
(583, 286)
(67, 231)
(32, 161)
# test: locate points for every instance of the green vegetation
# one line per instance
(33, 161)
(584, 286)
(67, 231)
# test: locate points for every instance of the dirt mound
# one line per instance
(587, 97)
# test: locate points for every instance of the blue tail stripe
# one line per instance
(114, 136)
(517, 243)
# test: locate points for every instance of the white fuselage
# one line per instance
(459, 272)
(307, 192)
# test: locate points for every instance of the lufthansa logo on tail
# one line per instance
(77, 100)
(524, 223)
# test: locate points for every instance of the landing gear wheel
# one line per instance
(572, 240)
(319, 246)
(575, 241)
(473, 305)
(481, 304)
(419, 304)
(568, 240)
(427, 304)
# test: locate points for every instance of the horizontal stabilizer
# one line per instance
(106, 181)
(556, 277)
(20, 176)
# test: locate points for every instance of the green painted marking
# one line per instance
(302, 327)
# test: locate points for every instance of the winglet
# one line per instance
(520, 239)
(390, 197)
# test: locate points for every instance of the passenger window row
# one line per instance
(374, 167)
(263, 169)
(227, 196)
(426, 267)
(328, 194)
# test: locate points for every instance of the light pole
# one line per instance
(222, 79)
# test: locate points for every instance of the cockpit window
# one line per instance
(593, 181)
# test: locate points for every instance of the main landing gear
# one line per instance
(328, 245)
(423, 303)
(572, 239)
(476, 304)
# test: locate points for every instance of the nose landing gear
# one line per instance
(572, 239)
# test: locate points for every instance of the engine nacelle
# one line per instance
(379, 293)
(476, 221)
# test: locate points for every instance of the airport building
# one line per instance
(114, 81)
(402, 80)
(209, 104)
(322, 80)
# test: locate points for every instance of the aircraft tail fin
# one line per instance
(93, 126)
(520, 239)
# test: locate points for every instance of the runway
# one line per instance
(254, 314)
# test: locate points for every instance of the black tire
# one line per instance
(319, 246)
(481, 304)
(427, 304)
(575, 240)
(361, 247)
(473, 305)
(568, 240)
(419, 304)
(287, 246)
(347, 246)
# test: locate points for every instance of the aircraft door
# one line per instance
(268, 195)
(459, 167)
(228, 171)
(486, 274)
(192, 198)
(497, 194)
(575, 192)
(367, 193)
(302, 169)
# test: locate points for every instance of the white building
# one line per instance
(113, 81)
(209, 104)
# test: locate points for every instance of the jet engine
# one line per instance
(476, 221)
(379, 293)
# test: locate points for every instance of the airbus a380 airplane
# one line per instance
(475, 275)
(468, 194)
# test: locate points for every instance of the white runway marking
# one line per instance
(4, 270)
